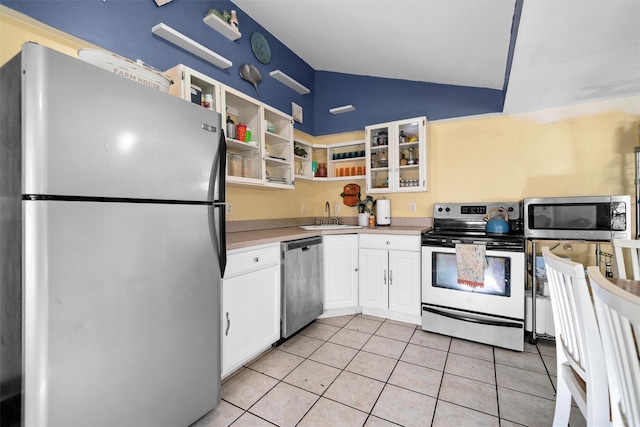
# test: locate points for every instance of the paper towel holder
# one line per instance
(383, 216)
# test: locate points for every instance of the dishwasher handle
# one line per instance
(302, 243)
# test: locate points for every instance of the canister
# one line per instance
(241, 132)
(383, 212)
(235, 165)
(245, 167)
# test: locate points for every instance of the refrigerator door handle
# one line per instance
(217, 227)
(218, 171)
(217, 219)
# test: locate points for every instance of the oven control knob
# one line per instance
(448, 209)
(440, 209)
(510, 209)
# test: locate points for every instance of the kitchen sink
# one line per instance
(328, 227)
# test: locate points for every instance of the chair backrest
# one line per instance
(625, 252)
(578, 341)
(618, 314)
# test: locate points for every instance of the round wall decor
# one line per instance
(260, 47)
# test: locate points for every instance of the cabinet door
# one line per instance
(397, 154)
(409, 155)
(377, 147)
(374, 270)
(340, 271)
(250, 315)
(278, 148)
(404, 282)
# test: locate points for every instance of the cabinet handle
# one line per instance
(388, 242)
(390, 277)
(256, 259)
(384, 276)
(228, 325)
(355, 269)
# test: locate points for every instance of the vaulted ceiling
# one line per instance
(546, 53)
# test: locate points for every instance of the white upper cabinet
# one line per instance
(396, 154)
(194, 86)
(262, 151)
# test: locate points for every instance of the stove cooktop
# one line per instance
(510, 241)
(465, 223)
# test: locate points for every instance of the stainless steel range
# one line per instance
(473, 282)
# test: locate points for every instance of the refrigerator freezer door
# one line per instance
(92, 133)
(122, 323)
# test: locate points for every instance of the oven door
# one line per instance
(492, 314)
(503, 291)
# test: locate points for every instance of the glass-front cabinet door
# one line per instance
(278, 148)
(397, 155)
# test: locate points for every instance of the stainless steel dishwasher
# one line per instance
(302, 283)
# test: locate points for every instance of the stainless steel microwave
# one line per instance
(597, 218)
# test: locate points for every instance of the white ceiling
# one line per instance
(566, 51)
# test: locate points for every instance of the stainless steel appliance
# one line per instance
(578, 218)
(491, 311)
(301, 284)
(112, 246)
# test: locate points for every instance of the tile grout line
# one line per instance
(433, 417)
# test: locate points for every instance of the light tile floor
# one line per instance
(367, 371)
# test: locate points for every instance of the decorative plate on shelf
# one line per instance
(260, 47)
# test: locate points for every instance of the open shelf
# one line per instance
(222, 27)
(172, 36)
(289, 82)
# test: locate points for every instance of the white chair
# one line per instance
(625, 250)
(618, 314)
(581, 368)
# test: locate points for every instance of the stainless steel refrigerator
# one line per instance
(112, 243)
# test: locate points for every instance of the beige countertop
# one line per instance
(244, 239)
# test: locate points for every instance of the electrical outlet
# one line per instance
(229, 208)
(302, 209)
(412, 206)
(336, 210)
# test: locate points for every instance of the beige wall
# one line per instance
(17, 28)
(485, 159)
(568, 151)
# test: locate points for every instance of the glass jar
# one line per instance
(383, 138)
(235, 165)
(411, 160)
(246, 167)
(382, 162)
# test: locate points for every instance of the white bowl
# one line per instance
(126, 68)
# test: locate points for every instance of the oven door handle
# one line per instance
(473, 319)
(467, 241)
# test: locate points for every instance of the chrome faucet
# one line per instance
(327, 209)
(336, 219)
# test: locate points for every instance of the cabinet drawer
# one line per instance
(390, 241)
(244, 260)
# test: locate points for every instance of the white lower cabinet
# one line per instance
(389, 280)
(250, 304)
(340, 253)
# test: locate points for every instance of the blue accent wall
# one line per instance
(124, 27)
(379, 100)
